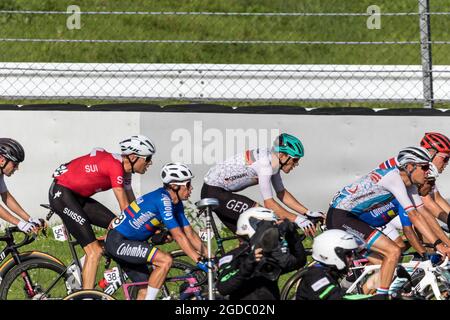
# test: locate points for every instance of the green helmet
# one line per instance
(289, 144)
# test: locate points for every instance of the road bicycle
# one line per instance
(183, 282)
(28, 274)
(181, 272)
(426, 281)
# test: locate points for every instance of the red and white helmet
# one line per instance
(436, 141)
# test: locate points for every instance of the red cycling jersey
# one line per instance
(92, 173)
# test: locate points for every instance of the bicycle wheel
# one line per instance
(176, 285)
(289, 289)
(89, 295)
(47, 281)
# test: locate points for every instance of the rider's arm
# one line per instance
(184, 243)
(121, 197)
(413, 239)
(289, 200)
(8, 217)
(128, 188)
(433, 226)
(14, 206)
(279, 210)
(441, 201)
(196, 242)
(421, 224)
(435, 208)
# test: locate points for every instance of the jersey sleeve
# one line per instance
(277, 182)
(3, 187)
(394, 184)
(181, 216)
(413, 193)
(166, 210)
(263, 168)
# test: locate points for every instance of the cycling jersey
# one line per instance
(376, 189)
(384, 214)
(247, 169)
(2, 185)
(95, 172)
(141, 218)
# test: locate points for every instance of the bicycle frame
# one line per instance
(429, 280)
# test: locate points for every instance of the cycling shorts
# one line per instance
(133, 256)
(231, 205)
(79, 213)
(391, 229)
(347, 221)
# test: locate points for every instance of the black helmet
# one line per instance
(12, 150)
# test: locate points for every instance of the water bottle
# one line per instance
(103, 283)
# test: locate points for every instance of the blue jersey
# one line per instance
(142, 217)
(382, 215)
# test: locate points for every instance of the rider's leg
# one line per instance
(93, 254)
(162, 262)
(391, 253)
(70, 208)
(231, 204)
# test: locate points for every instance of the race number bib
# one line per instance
(117, 221)
(112, 275)
(59, 232)
(204, 235)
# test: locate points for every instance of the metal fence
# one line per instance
(369, 56)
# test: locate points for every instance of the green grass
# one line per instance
(170, 27)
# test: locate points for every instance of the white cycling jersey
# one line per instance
(247, 169)
(375, 189)
(2, 185)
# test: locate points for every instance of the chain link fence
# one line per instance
(315, 52)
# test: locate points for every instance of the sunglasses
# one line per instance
(147, 158)
(425, 167)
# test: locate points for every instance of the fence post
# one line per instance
(425, 53)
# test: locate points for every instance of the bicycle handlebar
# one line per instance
(9, 236)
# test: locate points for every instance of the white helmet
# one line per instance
(175, 172)
(247, 226)
(138, 144)
(433, 172)
(331, 246)
(416, 155)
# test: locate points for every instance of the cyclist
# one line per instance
(402, 222)
(377, 188)
(127, 241)
(270, 247)
(76, 181)
(11, 155)
(439, 147)
(259, 166)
